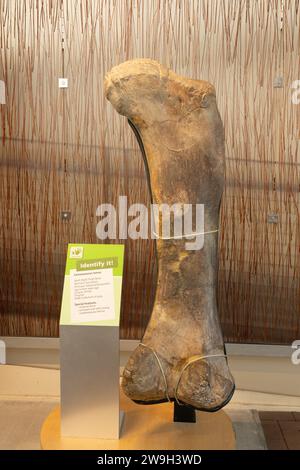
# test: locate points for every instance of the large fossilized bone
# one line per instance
(177, 121)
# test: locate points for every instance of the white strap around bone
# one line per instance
(180, 237)
(190, 361)
(161, 369)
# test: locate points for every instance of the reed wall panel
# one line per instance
(67, 149)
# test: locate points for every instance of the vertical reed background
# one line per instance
(67, 149)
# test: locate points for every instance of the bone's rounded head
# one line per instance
(147, 79)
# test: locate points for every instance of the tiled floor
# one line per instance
(247, 427)
(21, 423)
(281, 429)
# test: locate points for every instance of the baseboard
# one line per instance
(258, 368)
(233, 349)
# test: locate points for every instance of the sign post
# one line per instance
(89, 341)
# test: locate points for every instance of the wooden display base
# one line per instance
(148, 427)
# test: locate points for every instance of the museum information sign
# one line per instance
(93, 284)
(89, 341)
